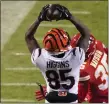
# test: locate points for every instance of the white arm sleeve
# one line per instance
(81, 54)
(34, 55)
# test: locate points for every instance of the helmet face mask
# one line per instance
(56, 40)
(91, 47)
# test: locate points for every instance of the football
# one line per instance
(53, 13)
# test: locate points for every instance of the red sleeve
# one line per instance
(106, 50)
(101, 46)
(89, 94)
(83, 86)
(82, 90)
(84, 76)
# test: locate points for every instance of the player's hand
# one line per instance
(65, 12)
(39, 95)
(42, 15)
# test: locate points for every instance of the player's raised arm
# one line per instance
(29, 36)
(85, 34)
(83, 41)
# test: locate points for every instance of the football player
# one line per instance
(58, 61)
(93, 84)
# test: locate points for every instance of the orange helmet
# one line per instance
(91, 47)
(56, 40)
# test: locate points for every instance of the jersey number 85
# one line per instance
(54, 82)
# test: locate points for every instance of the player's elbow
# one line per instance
(27, 36)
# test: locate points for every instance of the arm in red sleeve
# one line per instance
(83, 86)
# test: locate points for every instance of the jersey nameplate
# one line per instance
(53, 64)
(96, 58)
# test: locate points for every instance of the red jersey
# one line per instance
(95, 72)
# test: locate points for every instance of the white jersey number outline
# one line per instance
(104, 70)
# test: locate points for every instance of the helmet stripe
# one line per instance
(60, 39)
(60, 32)
(63, 36)
(54, 39)
(49, 42)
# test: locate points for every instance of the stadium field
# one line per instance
(18, 75)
